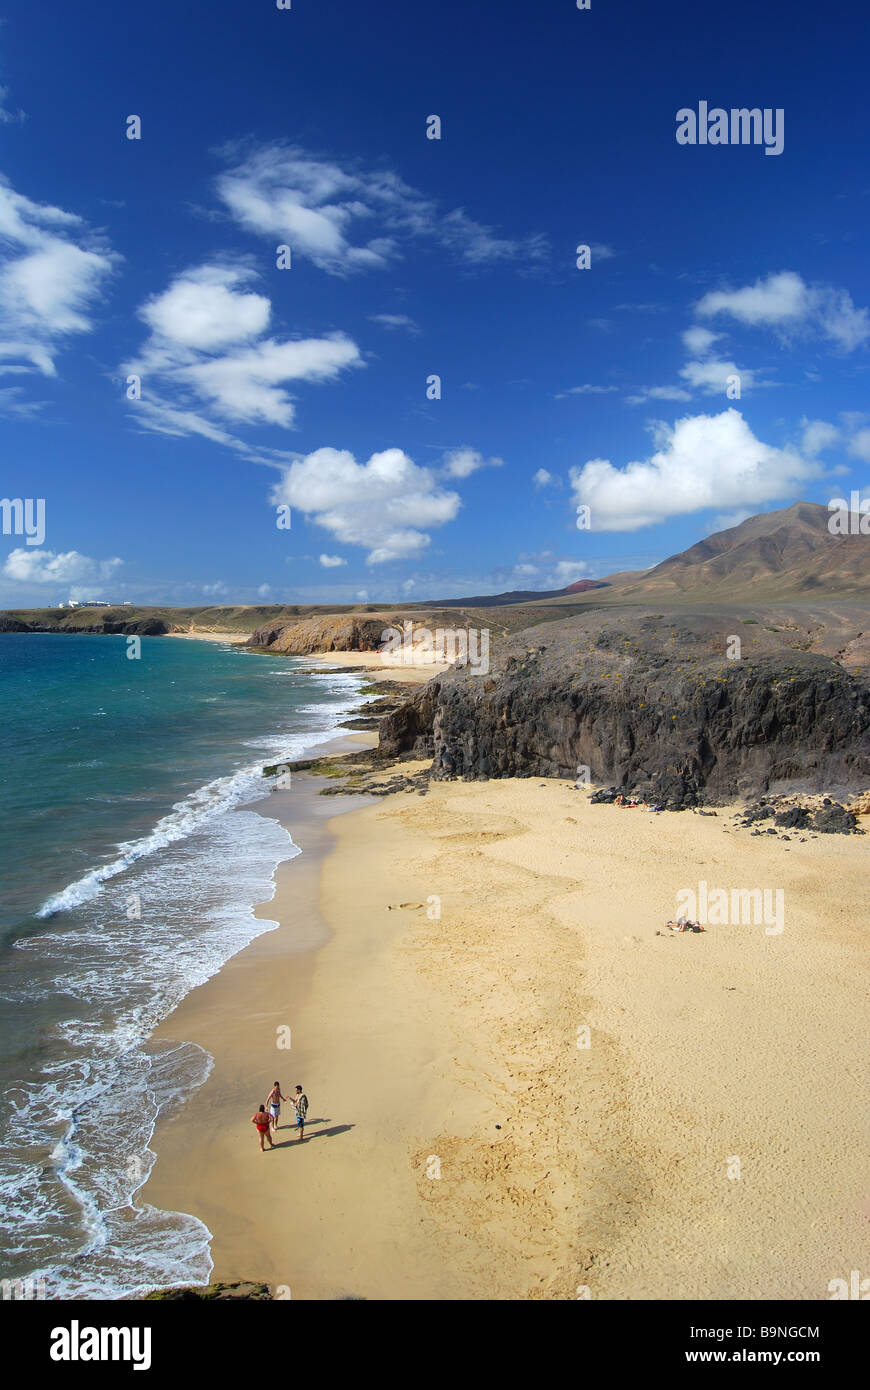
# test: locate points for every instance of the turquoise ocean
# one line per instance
(130, 862)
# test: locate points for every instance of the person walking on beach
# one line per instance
(261, 1120)
(273, 1100)
(300, 1100)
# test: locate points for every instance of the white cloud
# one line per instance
(859, 446)
(264, 591)
(726, 521)
(396, 321)
(817, 436)
(315, 206)
(6, 113)
(479, 244)
(785, 302)
(49, 567)
(699, 340)
(702, 461)
(202, 309)
(568, 572)
(331, 562)
(712, 376)
(206, 361)
(385, 504)
(585, 390)
(544, 479)
(51, 272)
(659, 393)
(462, 462)
(601, 252)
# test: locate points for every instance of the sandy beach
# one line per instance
(408, 672)
(464, 1141)
(234, 639)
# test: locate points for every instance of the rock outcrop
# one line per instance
(650, 704)
(339, 633)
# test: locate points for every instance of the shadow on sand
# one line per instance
(317, 1134)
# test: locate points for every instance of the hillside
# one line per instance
(784, 555)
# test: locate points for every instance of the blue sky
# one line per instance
(413, 257)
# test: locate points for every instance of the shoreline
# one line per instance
(370, 663)
(455, 1039)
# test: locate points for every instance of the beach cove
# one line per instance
(534, 1094)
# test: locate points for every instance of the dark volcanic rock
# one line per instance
(208, 1293)
(649, 704)
(795, 818)
(8, 624)
(409, 729)
(834, 820)
(146, 627)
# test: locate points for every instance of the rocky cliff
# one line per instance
(652, 704)
(336, 633)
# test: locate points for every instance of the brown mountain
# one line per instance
(787, 554)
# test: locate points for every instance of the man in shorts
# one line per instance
(300, 1100)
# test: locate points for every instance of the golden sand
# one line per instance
(465, 1142)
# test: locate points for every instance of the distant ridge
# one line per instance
(774, 557)
(581, 586)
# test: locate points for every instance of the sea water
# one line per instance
(130, 862)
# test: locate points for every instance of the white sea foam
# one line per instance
(213, 799)
(77, 1219)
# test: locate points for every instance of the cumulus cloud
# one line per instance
(331, 562)
(386, 504)
(702, 461)
(207, 362)
(52, 270)
(203, 309)
(786, 303)
(319, 208)
(49, 567)
(462, 462)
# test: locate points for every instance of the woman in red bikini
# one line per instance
(261, 1120)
